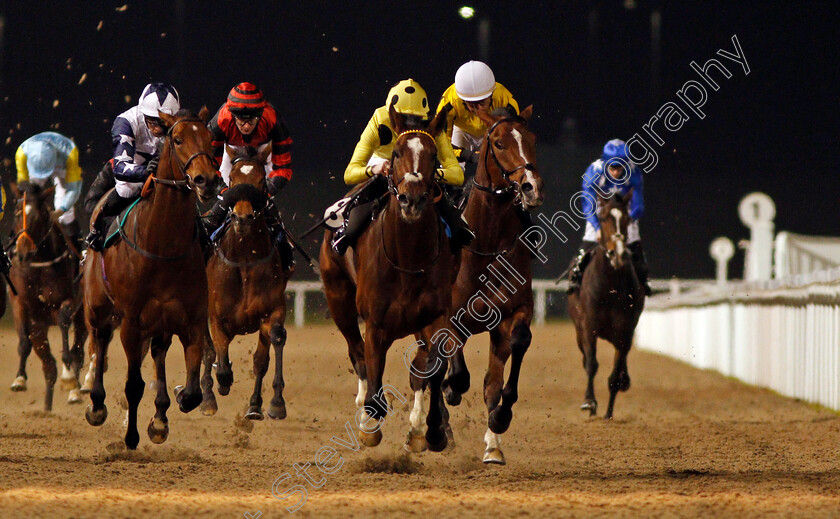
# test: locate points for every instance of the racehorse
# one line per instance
(506, 185)
(609, 302)
(152, 281)
(398, 279)
(247, 283)
(44, 273)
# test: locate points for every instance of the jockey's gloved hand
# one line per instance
(276, 184)
(152, 165)
(469, 156)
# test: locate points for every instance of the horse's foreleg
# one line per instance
(457, 382)
(77, 353)
(587, 342)
(619, 378)
(437, 419)
(224, 368)
(208, 398)
(277, 336)
(261, 358)
(23, 326)
(97, 412)
(65, 314)
(134, 385)
(189, 397)
(375, 408)
(416, 441)
(493, 380)
(42, 348)
(158, 429)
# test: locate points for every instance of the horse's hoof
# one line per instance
(186, 401)
(87, 387)
(75, 397)
(132, 439)
(19, 384)
(96, 418)
(209, 406)
(158, 430)
(254, 413)
(500, 419)
(436, 440)
(224, 390)
(67, 380)
(494, 456)
(453, 398)
(277, 412)
(589, 405)
(415, 442)
(371, 439)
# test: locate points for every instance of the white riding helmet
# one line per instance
(41, 159)
(474, 81)
(159, 97)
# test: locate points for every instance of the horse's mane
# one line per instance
(415, 122)
(30, 188)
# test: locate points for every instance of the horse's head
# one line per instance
(248, 165)
(414, 162)
(614, 217)
(248, 202)
(513, 149)
(32, 218)
(186, 158)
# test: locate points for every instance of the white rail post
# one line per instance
(540, 306)
(757, 211)
(300, 306)
(722, 251)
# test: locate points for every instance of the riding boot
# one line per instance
(579, 264)
(113, 206)
(460, 231)
(360, 216)
(215, 217)
(640, 265)
(279, 238)
(103, 182)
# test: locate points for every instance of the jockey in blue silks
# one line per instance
(607, 176)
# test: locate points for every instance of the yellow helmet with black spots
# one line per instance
(408, 98)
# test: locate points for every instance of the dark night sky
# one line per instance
(327, 65)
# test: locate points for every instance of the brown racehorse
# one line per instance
(248, 285)
(398, 279)
(609, 302)
(153, 282)
(506, 183)
(44, 273)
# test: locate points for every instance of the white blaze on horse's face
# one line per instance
(619, 243)
(247, 169)
(28, 208)
(412, 176)
(416, 148)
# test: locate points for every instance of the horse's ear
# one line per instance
(438, 124)
(168, 120)
(204, 114)
(264, 152)
(488, 119)
(45, 194)
(397, 120)
(526, 113)
(230, 152)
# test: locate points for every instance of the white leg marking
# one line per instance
(360, 396)
(418, 414)
(493, 440)
(66, 374)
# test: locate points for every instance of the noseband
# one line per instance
(184, 183)
(512, 187)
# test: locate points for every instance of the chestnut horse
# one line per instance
(609, 302)
(44, 273)
(153, 281)
(492, 292)
(398, 279)
(247, 283)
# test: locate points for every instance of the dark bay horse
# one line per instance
(494, 278)
(153, 282)
(398, 279)
(248, 285)
(44, 273)
(609, 302)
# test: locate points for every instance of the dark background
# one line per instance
(588, 67)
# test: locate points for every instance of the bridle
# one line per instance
(392, 186)
(512, 186)
(39, 243)
(185, 182)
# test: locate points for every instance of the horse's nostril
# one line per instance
(402, 199)
(423, 198)
(527, 188)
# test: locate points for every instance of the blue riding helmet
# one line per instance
(615, 149)
(41, 159)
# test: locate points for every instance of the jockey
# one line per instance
(475, 90)
(371, 163)
(137, 135)
(609, 176)
(246, 119)
(52, 158)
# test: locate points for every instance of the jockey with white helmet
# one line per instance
(137, 136)
(609, 177)
(51, 158)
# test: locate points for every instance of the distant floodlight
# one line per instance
(466, 12)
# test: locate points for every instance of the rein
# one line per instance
(185, 183)
(511, 187)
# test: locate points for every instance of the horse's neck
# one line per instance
(409, 242)
(171, 212)
(490, 216)
(613, 281)
(246, 246)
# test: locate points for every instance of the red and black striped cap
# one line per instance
(245, 97)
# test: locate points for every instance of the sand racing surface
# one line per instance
(684, 443)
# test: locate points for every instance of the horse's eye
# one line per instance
(178, 141)
(498, 145)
